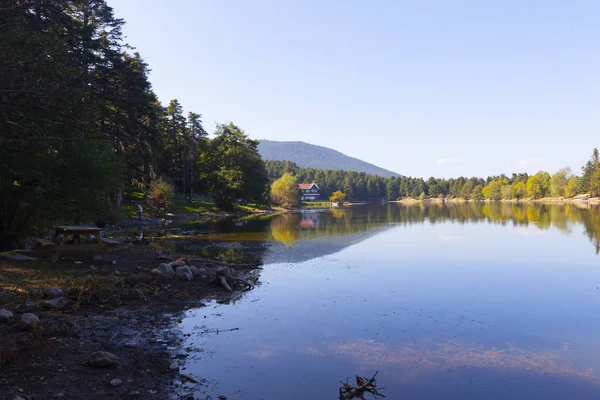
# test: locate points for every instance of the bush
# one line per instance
(284, 191)
(160, 196)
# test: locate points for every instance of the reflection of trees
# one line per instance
(286, 228)
(360, 219)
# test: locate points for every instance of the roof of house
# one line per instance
(307, 185)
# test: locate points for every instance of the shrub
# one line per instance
(160, 196)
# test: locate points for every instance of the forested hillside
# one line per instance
(365, 187)
(312, 156)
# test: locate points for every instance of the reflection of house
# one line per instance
(309, 191)
(309, 220)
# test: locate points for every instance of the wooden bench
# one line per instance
(73, 239)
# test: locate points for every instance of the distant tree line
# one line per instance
(79, 123)
(364, 187)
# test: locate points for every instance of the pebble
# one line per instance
(5, 315)
(117, 273)
(116, 382)
(174, 365)
(102, 359)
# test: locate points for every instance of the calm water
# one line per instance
(447, 302)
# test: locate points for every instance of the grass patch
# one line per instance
(315, 204)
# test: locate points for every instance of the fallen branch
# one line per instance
(223, 275)
(363, 385)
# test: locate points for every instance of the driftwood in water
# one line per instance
(363, 385)
(223, 275)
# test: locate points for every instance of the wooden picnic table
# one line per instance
(75, 239)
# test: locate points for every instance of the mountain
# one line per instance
(312, 156)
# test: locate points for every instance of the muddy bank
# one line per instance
(116, 305)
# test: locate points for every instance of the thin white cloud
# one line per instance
(448, 160)
(532, 161)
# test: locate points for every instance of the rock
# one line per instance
(117, 273)
(174, 365)
(129, 245)
(184, 273)
(194, 270)
(202, 272)
(5, 315)
(30, 319)
(30, 305)
(53, 292)
(165, 270)
(57, 304)
(116, 382)
(102, 359)
(176, 264)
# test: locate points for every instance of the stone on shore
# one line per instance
(59, 303)
(53, 292)
(184, 273)
(30, 305)
(116, 382)
(194, 270)
(30, 319)
(164, 270)
(102, 359)
(5, 315)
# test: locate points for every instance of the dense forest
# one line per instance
(79, 123)
(364, 187)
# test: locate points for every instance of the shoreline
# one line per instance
(117, 305)
(544, 200)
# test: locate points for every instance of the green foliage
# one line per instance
(422, 196)
(519, 190)
(477, 193)
(571, 189)
(284, 191)
(337, 196)
(237, 171)
(493, 191)
(160, 196)
(558, 182)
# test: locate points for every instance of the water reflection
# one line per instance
(448, 301)
(290, 228)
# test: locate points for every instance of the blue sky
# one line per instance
(424, 88)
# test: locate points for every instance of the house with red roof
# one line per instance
(309, 191)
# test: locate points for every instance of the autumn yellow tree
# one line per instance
(284, 191)
(519, 190)
(572, 185)
(533, 187)
(337, 196)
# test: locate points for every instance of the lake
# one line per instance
(456, 301)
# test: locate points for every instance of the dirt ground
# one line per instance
(119, 306)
